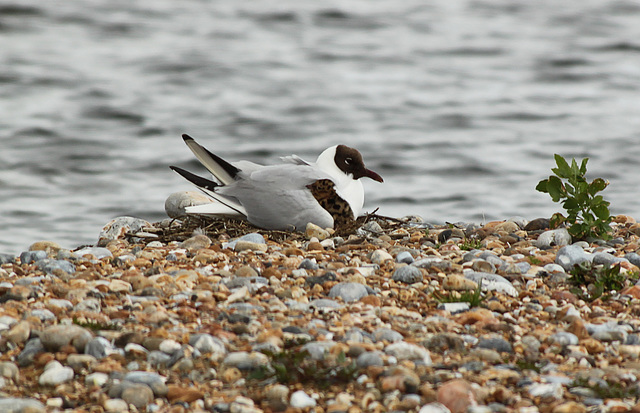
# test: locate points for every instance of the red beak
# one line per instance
(370, 174)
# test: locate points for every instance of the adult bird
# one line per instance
(288, 196)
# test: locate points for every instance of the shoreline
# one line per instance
(394, 317)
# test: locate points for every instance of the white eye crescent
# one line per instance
(348, 161)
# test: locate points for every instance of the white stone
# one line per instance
(434, 407)
(301, 400)
(169, 346)
(115, 406)
(96, 379)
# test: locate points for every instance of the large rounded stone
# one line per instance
(54, 337)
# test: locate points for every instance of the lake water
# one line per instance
(459, 105)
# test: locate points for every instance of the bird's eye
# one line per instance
(348, 161)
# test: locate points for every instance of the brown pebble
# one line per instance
(315, 246)
(246, 271)
(457, 395)
(183, 394)
(372, 300)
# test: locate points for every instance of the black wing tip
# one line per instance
(195, 179)
(186, 137)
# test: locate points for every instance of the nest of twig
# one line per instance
(184, 227)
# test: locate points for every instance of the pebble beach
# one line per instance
(393, 315)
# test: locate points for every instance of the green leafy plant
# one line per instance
(587, 213)
(470, 244)
(297, 366)
(534, 260)
(473, 297)
(606, 389)
(592, 281)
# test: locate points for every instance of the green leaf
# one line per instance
(577, 231)
(563, 170)
(575, 171)
(569, 189)
(556, 220)
(597, 185)
(570, 203)
(555, 188)
(601, 211)
(583, 166)
(582, 187)
(542, 186)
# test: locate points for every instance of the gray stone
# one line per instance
(387, 334)
(370, 229)
(408, 274)
(153, 380)
(206, 343)
(54, 337)
(563, 339)
(557, 237)
(498, 344)
(308, 264)
(552, 268)
(97, 252)
(78, 362)
(407, 351)
(7, 259)
(27, 257)
(320, 303)
(60, 303)
(30, 350)
(571, 255)
(404, 257)
(370, 358)
(246, 361)
(26, 281)
(318, 349)
(91, 305)
(252, 237)
(50, 265)
(523, 266)
(15, 405)
(491, 257)
(492, 282)
(603, 258)
(633, 258)
(348, 291)
(434, 262)
(99, 347)
(158, 358)
(118, 227)
(43, 314)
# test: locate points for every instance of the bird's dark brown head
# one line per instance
(350, 161)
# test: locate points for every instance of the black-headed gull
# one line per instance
(287, 196)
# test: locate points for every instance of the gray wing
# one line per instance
(294, 159)
(277, 197)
